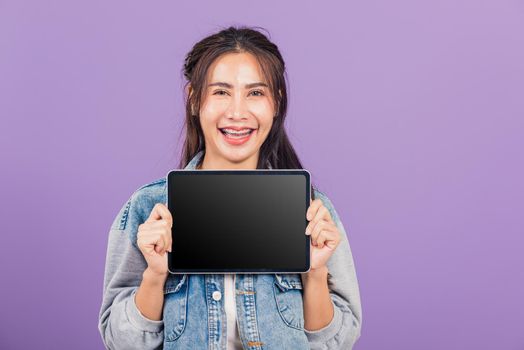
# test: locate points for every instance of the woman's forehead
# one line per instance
(236, 69)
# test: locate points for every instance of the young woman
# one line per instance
(235, 111)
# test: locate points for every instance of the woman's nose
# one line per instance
(237, 108)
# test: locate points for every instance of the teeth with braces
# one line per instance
(234, 132)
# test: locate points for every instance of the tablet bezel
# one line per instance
(272, 172)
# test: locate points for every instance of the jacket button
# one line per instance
(217, 295)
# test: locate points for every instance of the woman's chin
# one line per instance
(237, 156)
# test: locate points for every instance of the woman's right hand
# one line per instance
(154, 239)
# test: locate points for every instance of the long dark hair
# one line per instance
(276, 149)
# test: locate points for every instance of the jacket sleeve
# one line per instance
(120, 323)
(344, 329)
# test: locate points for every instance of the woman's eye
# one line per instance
(220, 92)
(257, 93)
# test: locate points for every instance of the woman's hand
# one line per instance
(324, 233)
(154, 239)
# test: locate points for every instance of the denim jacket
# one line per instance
(269, 306)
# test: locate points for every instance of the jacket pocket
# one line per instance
(287, 290)
(175, 306)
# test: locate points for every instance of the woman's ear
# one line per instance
(278, 103)
(189, 92)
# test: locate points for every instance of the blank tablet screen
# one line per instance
(239, 220)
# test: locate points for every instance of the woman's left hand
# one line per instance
(324, 233)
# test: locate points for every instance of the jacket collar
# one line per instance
(196, 159)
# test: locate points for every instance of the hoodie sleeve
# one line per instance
(120, 323)
(344, 329)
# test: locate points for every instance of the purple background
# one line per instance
(409, 114)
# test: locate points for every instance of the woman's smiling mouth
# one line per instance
(237, 136)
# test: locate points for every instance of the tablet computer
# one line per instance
(248, 221)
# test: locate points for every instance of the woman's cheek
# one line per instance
(262, 110)
(213, 110)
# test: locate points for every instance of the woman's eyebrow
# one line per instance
(252, 85)
(229, 86)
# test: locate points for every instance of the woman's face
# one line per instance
(236, 113)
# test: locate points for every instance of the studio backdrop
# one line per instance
(409, 115)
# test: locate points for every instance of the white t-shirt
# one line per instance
(233, 339)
